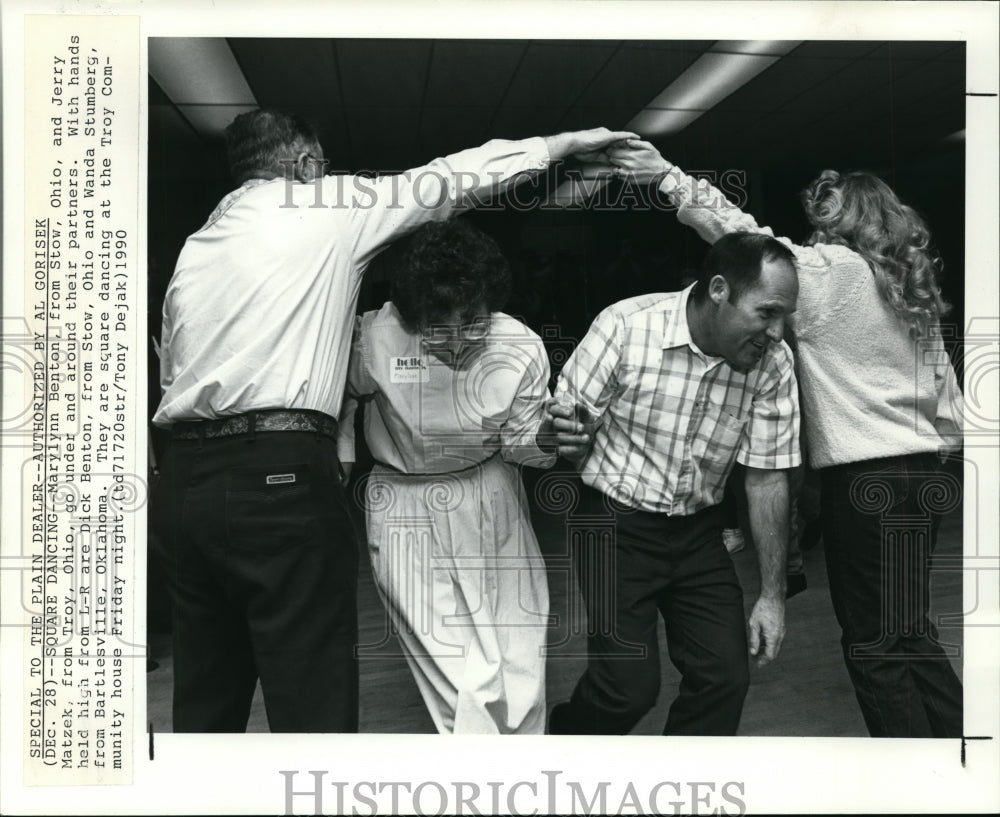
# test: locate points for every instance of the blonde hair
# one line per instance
(860, 211)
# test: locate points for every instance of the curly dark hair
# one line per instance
(446, 268)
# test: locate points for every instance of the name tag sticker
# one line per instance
(407, 370)
(280, 479)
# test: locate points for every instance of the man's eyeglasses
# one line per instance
(441, 333)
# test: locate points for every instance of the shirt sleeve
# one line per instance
(360, 383)
(345, 430)
(518, 434)
(387, 207)
(771, 441)
(166, 369)
(590, 376)
(951, 410)
(359, 378)
(950, 419)
(705, 209)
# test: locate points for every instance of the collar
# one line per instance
(677, 332)
(231, 199)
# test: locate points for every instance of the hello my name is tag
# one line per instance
(410, 369)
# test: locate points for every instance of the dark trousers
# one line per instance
(263, 578)
(880, 523)
(656, 565)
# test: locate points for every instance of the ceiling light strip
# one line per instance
(201, 77)
(716, 74)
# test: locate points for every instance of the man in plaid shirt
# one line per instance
(676, 388)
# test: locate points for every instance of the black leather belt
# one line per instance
(256, 421)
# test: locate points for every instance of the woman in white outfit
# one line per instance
(458, 395)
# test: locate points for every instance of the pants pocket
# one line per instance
(876, 489)
(270, 508)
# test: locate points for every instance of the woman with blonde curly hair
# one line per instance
(861, 212)
(880, 406)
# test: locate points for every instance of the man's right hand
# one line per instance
(767, 629)
(585, 145)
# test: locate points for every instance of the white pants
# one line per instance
(459, 570)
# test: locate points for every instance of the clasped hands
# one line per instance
(629, 158)
(567, 429)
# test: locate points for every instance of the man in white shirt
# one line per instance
(256, 533)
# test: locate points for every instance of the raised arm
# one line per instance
(706, 209)
(702, 206)
(592, 145)
(391, 206)
(698, 203)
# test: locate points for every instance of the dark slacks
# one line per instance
(880, 522)
(261, 560)
(677, 568)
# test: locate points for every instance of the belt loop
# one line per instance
(201, 436)
(252, 420)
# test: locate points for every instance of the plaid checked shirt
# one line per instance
(674, 420)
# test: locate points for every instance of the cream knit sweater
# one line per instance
(869, 390)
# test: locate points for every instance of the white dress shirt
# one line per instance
(259, 312)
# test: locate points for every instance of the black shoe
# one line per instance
(796, 583)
